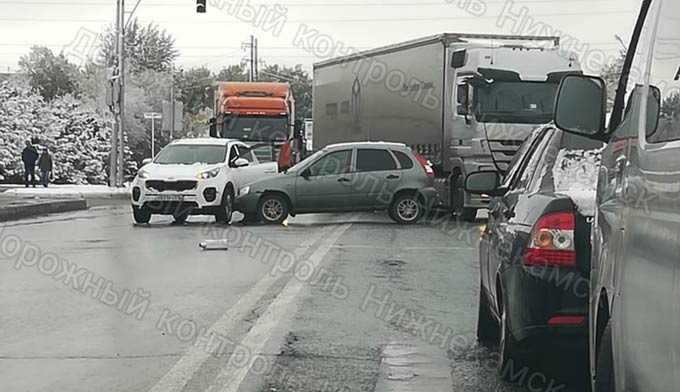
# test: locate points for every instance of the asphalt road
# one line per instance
(342, 302)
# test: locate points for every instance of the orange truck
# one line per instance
(260, 114)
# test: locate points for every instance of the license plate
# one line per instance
(166, 197)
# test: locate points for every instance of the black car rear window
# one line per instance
(374, 160)
(404, 160)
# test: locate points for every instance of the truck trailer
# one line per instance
(465, 102)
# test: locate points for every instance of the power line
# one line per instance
(310, 5)
(369, 20)
(218, 47)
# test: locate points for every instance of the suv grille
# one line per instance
(177, 186)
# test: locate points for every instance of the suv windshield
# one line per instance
(191, 154)
(515, 102)
(256, 128)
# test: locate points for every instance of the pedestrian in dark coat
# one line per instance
(29, 156)
(45, 165)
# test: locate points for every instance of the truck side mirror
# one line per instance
(298, 128)
(462, 94)
(213, 127)
(459, 58)
(581, 106)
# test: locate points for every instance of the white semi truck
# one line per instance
(465, 102)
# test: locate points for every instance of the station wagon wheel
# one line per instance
(273, 208)
(406, 209)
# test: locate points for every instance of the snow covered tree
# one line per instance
(49, 74)
(78, 136)
(147, 47)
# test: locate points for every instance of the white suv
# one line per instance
(195, 177)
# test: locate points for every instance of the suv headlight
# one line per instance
(208, 174)
(143, 174)
(244, 191)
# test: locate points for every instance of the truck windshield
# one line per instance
(191, 154)
(255, 128)
(515, 102)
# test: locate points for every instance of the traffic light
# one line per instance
(200, 6)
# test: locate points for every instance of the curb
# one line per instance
(31, 210)
(72, 195)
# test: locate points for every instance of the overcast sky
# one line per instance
(214, 39)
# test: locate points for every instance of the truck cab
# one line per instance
(260, 114)
(499, 92)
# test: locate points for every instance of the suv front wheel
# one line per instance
(142, 215)
(226, 209)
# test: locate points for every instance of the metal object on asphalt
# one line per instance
(214, 244)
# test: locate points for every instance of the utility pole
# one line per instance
(252, 59)
(172, 101)
(121, 79)
(256, 73)
(113, 163)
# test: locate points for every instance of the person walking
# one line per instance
(45, 165)
(29, 156)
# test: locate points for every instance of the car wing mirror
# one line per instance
(653, 110)
(581, 106)
(241, 162)
(146, 161)
(306, 174)
(484, 182)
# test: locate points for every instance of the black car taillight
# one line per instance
(210, 194)
(552, 241)
(423, 163)
(136, 193)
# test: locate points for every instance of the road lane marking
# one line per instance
(405, 247)
(230, 379)
(180, 374)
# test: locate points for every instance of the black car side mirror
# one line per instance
(487, 181)
(306, 174)
(581, 106)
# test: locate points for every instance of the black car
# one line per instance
(535, 249)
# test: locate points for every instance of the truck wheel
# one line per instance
(142, 215)
(467, 214)
(406, 209)
(273, 209)
(487, 327)
(226, 211)
(604, 375)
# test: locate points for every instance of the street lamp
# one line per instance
(153, 116)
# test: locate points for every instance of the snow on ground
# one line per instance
(575, 175)
(70, 191)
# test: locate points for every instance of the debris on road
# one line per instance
(213, 245)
